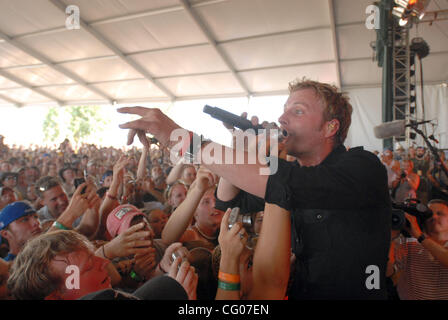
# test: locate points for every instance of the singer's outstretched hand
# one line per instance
(152, 121)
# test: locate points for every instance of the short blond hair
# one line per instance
(336, 104)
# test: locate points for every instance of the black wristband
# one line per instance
(421, 238)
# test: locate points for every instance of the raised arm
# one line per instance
(111, 199)
(180, 219)
(175, 173)
(232, 244)
(245, 176)
(141, 170)
(79, 204)
(226, 191)
(437, 250)
(272, 255)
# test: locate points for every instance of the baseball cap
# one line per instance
(14, 211)
(119, 220)
(106, 174)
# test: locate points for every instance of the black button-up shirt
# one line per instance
(340, 211)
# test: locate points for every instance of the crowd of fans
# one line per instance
(415, 174)
(125, 219)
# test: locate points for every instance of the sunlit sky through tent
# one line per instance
(24, 126)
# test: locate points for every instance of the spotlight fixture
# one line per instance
(409, 10)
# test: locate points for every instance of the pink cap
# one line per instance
(119, 220)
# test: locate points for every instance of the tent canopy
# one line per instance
(168, 50)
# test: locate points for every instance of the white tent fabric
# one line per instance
(170, 51)
(367, 114)
(165, 50)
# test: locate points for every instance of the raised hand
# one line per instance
(186, 276)
(152, 121)
(414, 228)
(85, 197)
(119, 167)
(130, 242)
(204, 179)
(232, 241)
(167, 260)
(143, 138)
(145, 262)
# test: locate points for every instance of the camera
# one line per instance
(412, 207)
(248, 222)
(245, 219)
(176, 255)
(78, 182)
(403, 175)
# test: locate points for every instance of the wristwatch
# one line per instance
(421, 238)
(196, 143)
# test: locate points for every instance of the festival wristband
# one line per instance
(228, 286)
(135, 276)
(229, 278)
(60, 226)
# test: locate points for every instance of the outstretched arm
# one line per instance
(244, 176)
(141, 170)
(272, 255)
(181, 217)
(111, 200)
(175, 173)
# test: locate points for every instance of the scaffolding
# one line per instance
(403, 80)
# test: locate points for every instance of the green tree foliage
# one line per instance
(82, 122)
(51, 125)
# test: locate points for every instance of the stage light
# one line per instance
(403, 22)
(409, 10)
(402, 3)
(398, 11)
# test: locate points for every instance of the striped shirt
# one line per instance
(422, 277)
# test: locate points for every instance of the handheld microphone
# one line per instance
(395, 128)
(230, 118)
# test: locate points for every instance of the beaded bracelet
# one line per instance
(227, 277)
(228, 286)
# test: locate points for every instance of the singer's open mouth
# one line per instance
(285, 133)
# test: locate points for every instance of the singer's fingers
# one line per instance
(141, 111)
(131, 135)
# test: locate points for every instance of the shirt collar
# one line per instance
(332, 156)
